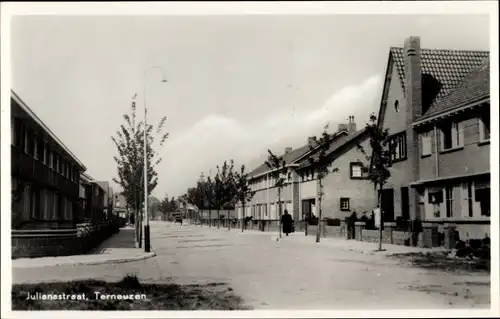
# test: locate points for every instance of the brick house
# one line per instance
(92, 206)
(120, 205)
(45, 173)
(344, 191)
(435, 104)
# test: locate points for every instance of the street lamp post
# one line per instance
(147, 241)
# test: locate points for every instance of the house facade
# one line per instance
(45, 173)
(93, 207)
(120, 205)
(435, 104)
(343, 191)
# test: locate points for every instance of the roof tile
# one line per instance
(449, 67)
(474, 87)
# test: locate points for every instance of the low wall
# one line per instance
(43, 243)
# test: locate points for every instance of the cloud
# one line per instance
(218, 137)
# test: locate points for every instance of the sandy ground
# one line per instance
(293, 273)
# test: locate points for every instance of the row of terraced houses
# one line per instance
(436, 106)
(52, 196)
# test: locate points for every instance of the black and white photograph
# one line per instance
(250, 159)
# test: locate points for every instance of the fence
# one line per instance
(61, 242)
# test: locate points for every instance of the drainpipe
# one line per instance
(436, 150)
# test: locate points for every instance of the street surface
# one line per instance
(293, 273)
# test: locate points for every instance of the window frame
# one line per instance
(455, 129)
(353, 165)
(345, 200)
(400, 152)
(482, 138)
(449, 190)
(425, 137)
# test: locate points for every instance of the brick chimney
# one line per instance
(351, 126)
(413, 96)
(288, 150)
(413, 78)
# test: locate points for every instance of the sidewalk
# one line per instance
(119, 248)
(337, 243)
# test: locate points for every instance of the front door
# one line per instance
(387, 204)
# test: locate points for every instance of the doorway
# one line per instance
(387, 204)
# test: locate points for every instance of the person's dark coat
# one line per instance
(287, 222)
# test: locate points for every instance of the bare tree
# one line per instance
(320, 163)
(380, 161)
(243, 192)
(223, 187)
(280, 176)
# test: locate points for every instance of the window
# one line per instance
(483, 196)
(40, 151)
(484, 127)
(29, 143)
(467, 205)
(18, 132)
(55, 162)
(357, 171)
(46, 153)
(396, 106)
(426, 143)
(449, 201)
(52, 159)
(344, 204)
(397, 144)
(451, 136)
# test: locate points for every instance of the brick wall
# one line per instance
(361, 193)
(46, 245)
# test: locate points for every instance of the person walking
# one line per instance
(287, 222)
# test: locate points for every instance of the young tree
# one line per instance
(165, 207)
(243, 192)
(196, 196)
(320, 163)
(280, 175)
(154, 206)
(208, 189)
(380, 161)
(223, 187)
(129, 142)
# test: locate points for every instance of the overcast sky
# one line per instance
(236, 85)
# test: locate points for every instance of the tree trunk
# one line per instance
(210, 217)
(320, 191)
(228, 220)
(218, 218)
(242, 216)
(379, 197)
(279, 209)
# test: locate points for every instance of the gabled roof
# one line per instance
(336, 146)
(38, 121)
(291, 157)
(448, 67)
(473, 88)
